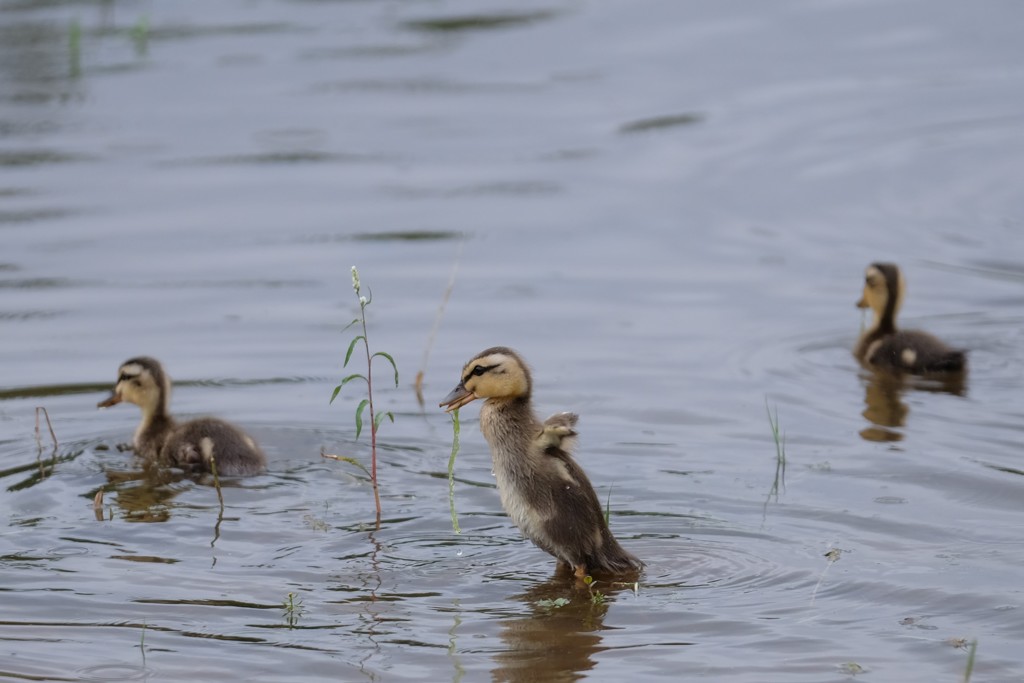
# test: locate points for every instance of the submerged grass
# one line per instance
(970, 661)
(451, 471)
(49, 425)
(139, 34)
(220, 500)
(75, 49)
(43, 472)
(596, 596)
(779, 484)
(780, 448)
(832, 556)
(216, 481)
(293, 609)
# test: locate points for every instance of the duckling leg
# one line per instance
(580, 571)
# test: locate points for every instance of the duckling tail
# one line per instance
(613, 558)
(954, 361)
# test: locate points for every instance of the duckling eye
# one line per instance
(478, 370)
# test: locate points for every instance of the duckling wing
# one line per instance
(575, 529)
(562, 420)
(917, 352)
(558, 431)
(194, 444)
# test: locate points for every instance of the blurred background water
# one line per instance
(666, 206)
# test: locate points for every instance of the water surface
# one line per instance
(666, 206)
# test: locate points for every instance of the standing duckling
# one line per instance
(542, 489)
(191, 445)
(884, 346)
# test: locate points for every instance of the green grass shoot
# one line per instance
(780, 451)
(970, 661)
(75, 49)
(139, 33)
(451, 471)
(293, 609)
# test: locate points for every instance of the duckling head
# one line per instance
(496, 373)
(883, 290)
(141, 381)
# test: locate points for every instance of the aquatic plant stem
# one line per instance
(451, 471)
(375, 417)
(373, 420)
(39, 443)
(418, 385)
(970, 661)
(53, 435)
(216, 482)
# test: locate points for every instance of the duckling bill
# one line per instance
(883, 345)
(190, 445)
(542, 488)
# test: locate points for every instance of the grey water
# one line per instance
(666, 206)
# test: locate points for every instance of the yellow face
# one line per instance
(883, 292)
(496, 373)
(135, 384)
(876, 294)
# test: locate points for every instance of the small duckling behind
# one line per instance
(542, 488)
(190, 446)
(884, 346)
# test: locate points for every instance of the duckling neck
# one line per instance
(152, 431)
(509, 425)
(882, 325)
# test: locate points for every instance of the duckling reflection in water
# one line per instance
(555, 633)
(883, 346)
(191, 445)
(542, 489)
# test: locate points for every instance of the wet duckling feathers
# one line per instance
(191, 445)
(883, 345)
(542, 488)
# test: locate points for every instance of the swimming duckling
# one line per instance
(884, 346)
(542, 489)
(191, 445)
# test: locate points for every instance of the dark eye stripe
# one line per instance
(473, 373)
(124, 377)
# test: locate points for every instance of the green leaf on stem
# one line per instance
(352, 461)
(352, 346)
(359, 416)
(390, 360)
(379, 417)
(352, 377)
(344, 382)
(355, 321)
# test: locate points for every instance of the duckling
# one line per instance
(884, 346)
(192, 445)
(542, 489)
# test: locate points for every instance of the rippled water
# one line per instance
(665, 206)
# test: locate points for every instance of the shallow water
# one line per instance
(666, 207)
